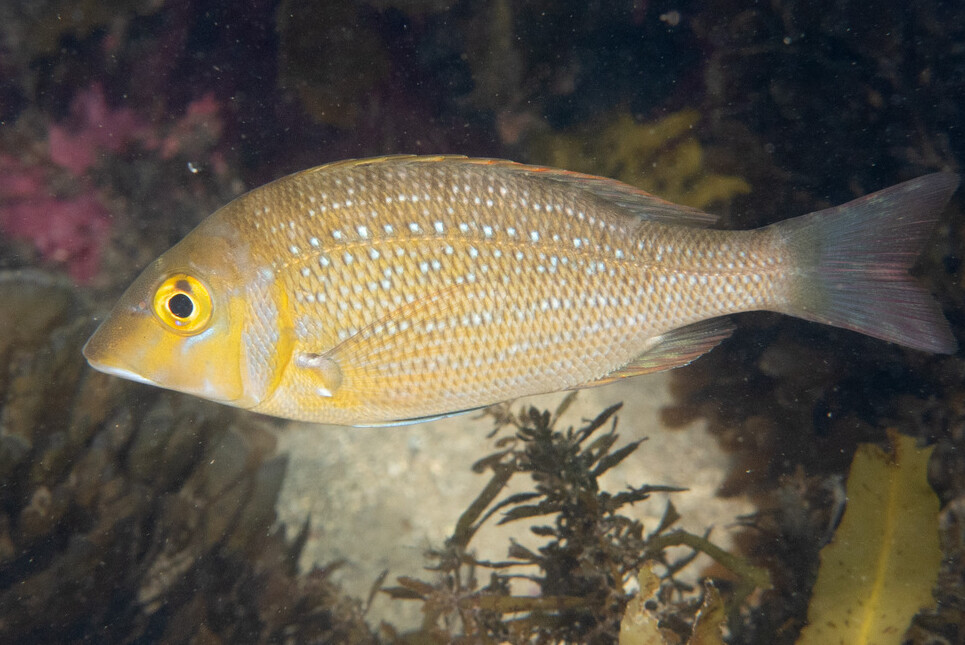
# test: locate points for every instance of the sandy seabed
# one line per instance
(379, 497)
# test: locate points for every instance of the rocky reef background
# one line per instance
(129, 514)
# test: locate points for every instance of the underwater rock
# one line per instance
(331, 63)
(128, 514)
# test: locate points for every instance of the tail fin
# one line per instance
(853, 260)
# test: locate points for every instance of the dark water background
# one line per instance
(122, 125)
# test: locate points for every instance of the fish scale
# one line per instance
(556, 248)
(396, 289)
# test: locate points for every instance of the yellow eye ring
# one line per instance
(182, 303)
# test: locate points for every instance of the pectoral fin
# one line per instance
(322, 370)
(363, 358)
(389, 344)
(673, 349)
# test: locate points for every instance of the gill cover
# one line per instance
(179, 325)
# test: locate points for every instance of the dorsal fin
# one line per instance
(674, 349)
(638, 202)
(634, 200)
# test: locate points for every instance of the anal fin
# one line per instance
(674, 349)
(425, 419)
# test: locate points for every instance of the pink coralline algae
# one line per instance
(92, 129)
(197, 131)
(71, 229)
(68, 231)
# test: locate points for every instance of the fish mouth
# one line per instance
(113, 370)
(121, 372)
(91, 354)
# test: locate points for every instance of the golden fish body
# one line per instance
(396, 289)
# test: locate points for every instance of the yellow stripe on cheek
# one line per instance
(286, 335)
(266, 339)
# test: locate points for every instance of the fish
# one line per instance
(399, 289)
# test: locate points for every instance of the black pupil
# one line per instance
(180, 305)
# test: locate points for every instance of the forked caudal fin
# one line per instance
(852, 264)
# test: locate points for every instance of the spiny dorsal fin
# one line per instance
(636, 201)
(673, 349)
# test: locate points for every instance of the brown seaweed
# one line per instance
(133, 515)
(591, 551)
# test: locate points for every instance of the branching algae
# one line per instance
(591, 554)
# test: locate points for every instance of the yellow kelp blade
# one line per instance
(880, 569)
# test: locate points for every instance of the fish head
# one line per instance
(179, 325)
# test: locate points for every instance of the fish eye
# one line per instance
(182, 303)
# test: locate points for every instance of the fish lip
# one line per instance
(90, 354)
(121, 372)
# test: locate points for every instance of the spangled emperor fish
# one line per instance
(399, 289)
